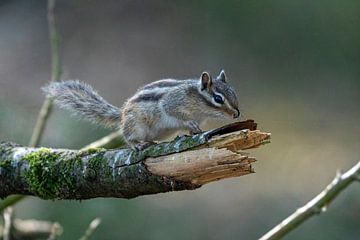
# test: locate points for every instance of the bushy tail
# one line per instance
(82, 100)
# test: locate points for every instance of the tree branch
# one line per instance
(8, 223)
(91, 229)
(113, 140)
(10, 201)
(188, 162)
(316, 206)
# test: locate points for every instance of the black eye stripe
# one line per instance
(218, 99)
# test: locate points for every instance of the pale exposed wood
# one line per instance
(240, 140)
(220, 158)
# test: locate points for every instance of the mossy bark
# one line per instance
(96, 172)
(68, 174)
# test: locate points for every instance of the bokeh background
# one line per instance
(294, 64)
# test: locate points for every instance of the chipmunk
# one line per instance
(156, 109)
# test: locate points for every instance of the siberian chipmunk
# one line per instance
(157, 109)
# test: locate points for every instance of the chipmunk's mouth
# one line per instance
(231, 112)
(236, 113)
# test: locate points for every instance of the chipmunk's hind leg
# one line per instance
(138, 145)
(136, 137)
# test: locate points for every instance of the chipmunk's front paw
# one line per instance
(181, 136)
(194, 127)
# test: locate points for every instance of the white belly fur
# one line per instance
(165, 127)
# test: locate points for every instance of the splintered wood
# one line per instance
(219, 158)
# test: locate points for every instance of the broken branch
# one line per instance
(188, 162)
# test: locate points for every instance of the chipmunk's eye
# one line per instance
(218, 99)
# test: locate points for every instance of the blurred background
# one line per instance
(294, 64)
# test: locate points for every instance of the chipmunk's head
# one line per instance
(220, 95)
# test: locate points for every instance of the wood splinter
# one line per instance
(221, 157)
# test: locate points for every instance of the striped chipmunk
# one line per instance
(156, 110)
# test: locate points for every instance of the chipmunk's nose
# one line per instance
(237, 113)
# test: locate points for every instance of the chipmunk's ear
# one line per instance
(222, 76)
(205, 80)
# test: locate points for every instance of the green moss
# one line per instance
(91, 151)
(6, 168)
(6, 148)
(48, 176)
(5, 164)
(97, 162)
(178, 145)
(98, 166)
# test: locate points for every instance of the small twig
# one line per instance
(56, 230)
(90, 230)
(8, 219)
(35, 229)
(55, 75)
(10, 201)
(316, 205)
(41, 122)
(54, 42)
(113, 140)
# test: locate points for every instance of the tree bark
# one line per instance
(185, 163)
